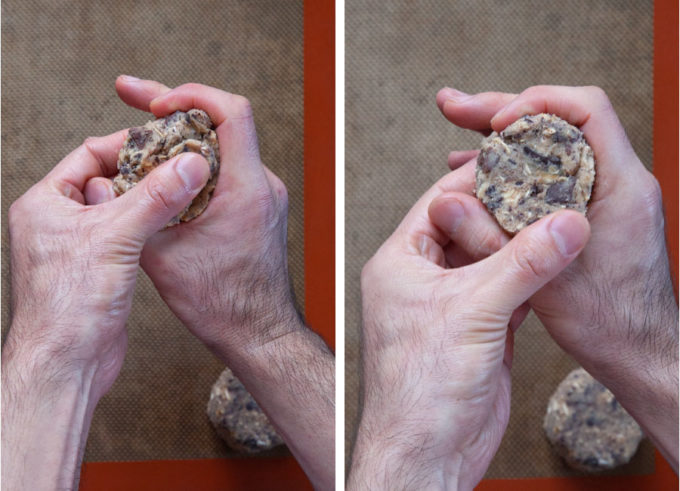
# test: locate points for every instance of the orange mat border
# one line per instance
(319, 232)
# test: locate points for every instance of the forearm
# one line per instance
(45, 418)
(292, 378)
(643, 376)
(648, 391)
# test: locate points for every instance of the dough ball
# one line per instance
(157, 141)
(537, 165)
(587, 426)
(238, 419)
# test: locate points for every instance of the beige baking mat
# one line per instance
(59, 62)
(399, 54)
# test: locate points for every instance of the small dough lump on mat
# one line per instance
(150, 145)
(587, 426)
(537, 165)
(238, 419)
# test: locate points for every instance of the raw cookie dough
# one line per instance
(157, 141)
(587, 426)
(238, 419)
(537, 165)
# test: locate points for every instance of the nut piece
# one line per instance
(537, 165)
(587, 426)
(238, 419)
(150, 145)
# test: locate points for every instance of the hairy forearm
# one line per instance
(45, 418)
(292, 378)
(644, 378)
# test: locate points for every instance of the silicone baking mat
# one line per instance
(398, 56)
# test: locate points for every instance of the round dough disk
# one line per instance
(587, 426)
(537, 165)
(238, 419)
(150, 145)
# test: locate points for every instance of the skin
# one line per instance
(73, 274)
(437, 345)
(439, 297)
(232, 291)
(613, 309)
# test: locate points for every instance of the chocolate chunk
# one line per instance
(139, 136)
(544, 159)
(561, 191)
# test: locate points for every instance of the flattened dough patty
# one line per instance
(238, 419)
(537, 165)
(587, 426)
(150, 145)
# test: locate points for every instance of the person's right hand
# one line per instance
(613, 309)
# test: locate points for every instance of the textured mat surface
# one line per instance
(399, 54)
(59, 62)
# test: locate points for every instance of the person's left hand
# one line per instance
(437, 340)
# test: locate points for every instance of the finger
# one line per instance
(96, 157)
(458, 158)
(532, 258)
(466, 221)
(160, 196)
(99, 190)
(233, 117)
(416, 231)
(139, 93)
(586, 107)
(473, 112)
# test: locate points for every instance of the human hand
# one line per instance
(613, 309)
(73, 273)
(437, 343)
(224, 274)
(227, 267)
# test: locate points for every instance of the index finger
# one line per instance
(96, 157)
(233, 117)
(586, 107)
(416, 229)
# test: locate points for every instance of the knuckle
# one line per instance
(652, 200)
(190, 87)
(241, 107)
(157, 193)
(535, 90)
(531, 260)
(599, 97)
(597, 92)
(489, 243)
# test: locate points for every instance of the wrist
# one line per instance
(395, 465)
(46, 415)
(644, 382)
(253, 331)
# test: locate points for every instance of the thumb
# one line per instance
(530, 260)
(161, 195)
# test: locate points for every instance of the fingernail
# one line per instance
(130, 78)
(192, 170)
(454, 95)
(567, 236)
(456, 213)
